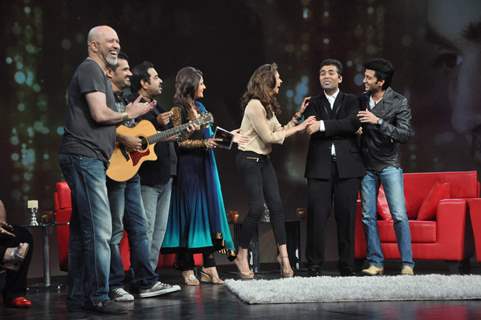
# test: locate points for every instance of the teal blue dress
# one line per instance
(197, 214)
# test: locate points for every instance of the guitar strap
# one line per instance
(156, 110)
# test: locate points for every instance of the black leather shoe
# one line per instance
(107, 307)
(73, 308)
(314, 271)
(347, 273)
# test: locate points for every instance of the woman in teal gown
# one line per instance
(197, 220)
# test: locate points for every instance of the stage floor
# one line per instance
(216, 302)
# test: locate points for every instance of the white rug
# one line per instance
(342, 289)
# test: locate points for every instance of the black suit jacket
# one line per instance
(340, 123)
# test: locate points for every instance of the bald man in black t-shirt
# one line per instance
(86, 147)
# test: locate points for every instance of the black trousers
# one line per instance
(322, 194)
(16, 281)
(185, 259)
(261, 185)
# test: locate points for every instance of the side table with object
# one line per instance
(44, 226)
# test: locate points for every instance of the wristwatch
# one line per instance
(380, 122)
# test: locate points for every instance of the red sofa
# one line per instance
(475, 215)
(439, 238)
(63, 210)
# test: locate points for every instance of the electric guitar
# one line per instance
(125, 164)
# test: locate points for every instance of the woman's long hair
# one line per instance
(186, 83)
(261, 86)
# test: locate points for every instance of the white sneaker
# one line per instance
(407, 270)
(158, 289)
(121, 295)
(373, 270)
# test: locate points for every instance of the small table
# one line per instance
(45, 228)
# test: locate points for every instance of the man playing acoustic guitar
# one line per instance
(156, 176)
(127, 207)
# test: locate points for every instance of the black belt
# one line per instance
(333, 158)
(254, 154)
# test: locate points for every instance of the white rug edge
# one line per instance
(255, 302)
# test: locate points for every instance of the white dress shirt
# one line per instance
(373, 103)
(322, 128)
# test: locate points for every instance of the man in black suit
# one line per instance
(334, 168)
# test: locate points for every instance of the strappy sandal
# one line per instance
(285, 274)
(245, 275)
(190, 279)
(206, 277)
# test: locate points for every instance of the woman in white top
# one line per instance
(261, 127)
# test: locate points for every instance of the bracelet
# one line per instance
(297, 117)
(205, 143)
(124, 116)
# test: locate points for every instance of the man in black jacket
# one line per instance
(386, 124)
(334, 168)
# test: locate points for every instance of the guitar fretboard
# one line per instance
(177, 130)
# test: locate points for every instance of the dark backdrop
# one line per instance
(44, 41)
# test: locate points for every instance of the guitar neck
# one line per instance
(203, 120)
(167, 133)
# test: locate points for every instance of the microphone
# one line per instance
(364, 101)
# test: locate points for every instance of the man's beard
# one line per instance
(111, 61)
(155, 94)
(371, 90)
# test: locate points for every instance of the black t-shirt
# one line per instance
(158, 172)
(83, 136)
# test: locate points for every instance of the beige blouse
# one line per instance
(260, 131)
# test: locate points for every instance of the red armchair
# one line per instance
(440, 238)
(63, 210)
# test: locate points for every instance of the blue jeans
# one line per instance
(392, 180)
(157, 203)
(90, 230)
(127, 207)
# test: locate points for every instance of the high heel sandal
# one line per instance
(245, 275)
(189, 278)
(14, 257)
(285, 274)
(206, 277)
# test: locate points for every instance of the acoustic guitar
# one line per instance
(125, 164)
